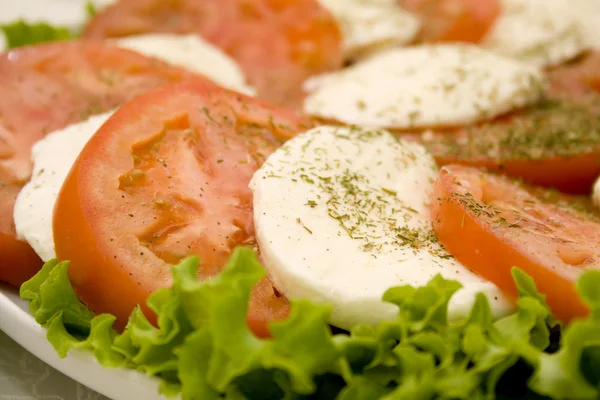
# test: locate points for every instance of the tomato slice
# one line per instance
(47, 87)
(166, 177)
(578, 76)
(455, 20)
(278, 43)
(554, 144)
(18, 261)
(491, 223)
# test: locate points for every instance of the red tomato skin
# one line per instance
(96, 263)
(278, 44)
(576, 77)
(573, 175)
(455, 20)
(47, 87)
(487, 253)
(18, 261)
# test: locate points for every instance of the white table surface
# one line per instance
(24, 377)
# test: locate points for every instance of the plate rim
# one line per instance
(79, 365)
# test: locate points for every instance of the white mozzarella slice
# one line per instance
(52, 158)
(424, 86)
(587, 13)
(193, 53)
(540, 32)
(342, 214)
(368, 25)
(591, 27)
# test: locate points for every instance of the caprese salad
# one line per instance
(290, 199)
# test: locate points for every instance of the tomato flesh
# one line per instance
(576, 77)
(491, 224)
(555, 143)
(18, 261)
(455, 20)
(278, 43)
(45, 88)
(50, 86)
(167, 177)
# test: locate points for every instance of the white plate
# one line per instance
(80, 365)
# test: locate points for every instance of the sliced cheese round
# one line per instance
(540, 32)
(52, 158)
(368, 25)
(342, 214)
(193, 53)
(424, 86)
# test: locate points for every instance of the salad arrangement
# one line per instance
(204, 349)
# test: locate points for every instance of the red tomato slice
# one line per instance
(278, 43)
(47, 87)
(555, 144)
(578, 76)
(455, 20)
(18, 261)
(491, 223)
(166, 177)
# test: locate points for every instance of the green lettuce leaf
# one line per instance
(223, 353)
(202, 347)
(21, 33)
(50, 293)
(573, 371)
(90, 9)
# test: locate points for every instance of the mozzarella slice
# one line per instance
(53, 158)
(369, 25)
(342, 214)
(424, 86)
(587, 13)
(193, 53)
(540, 32)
